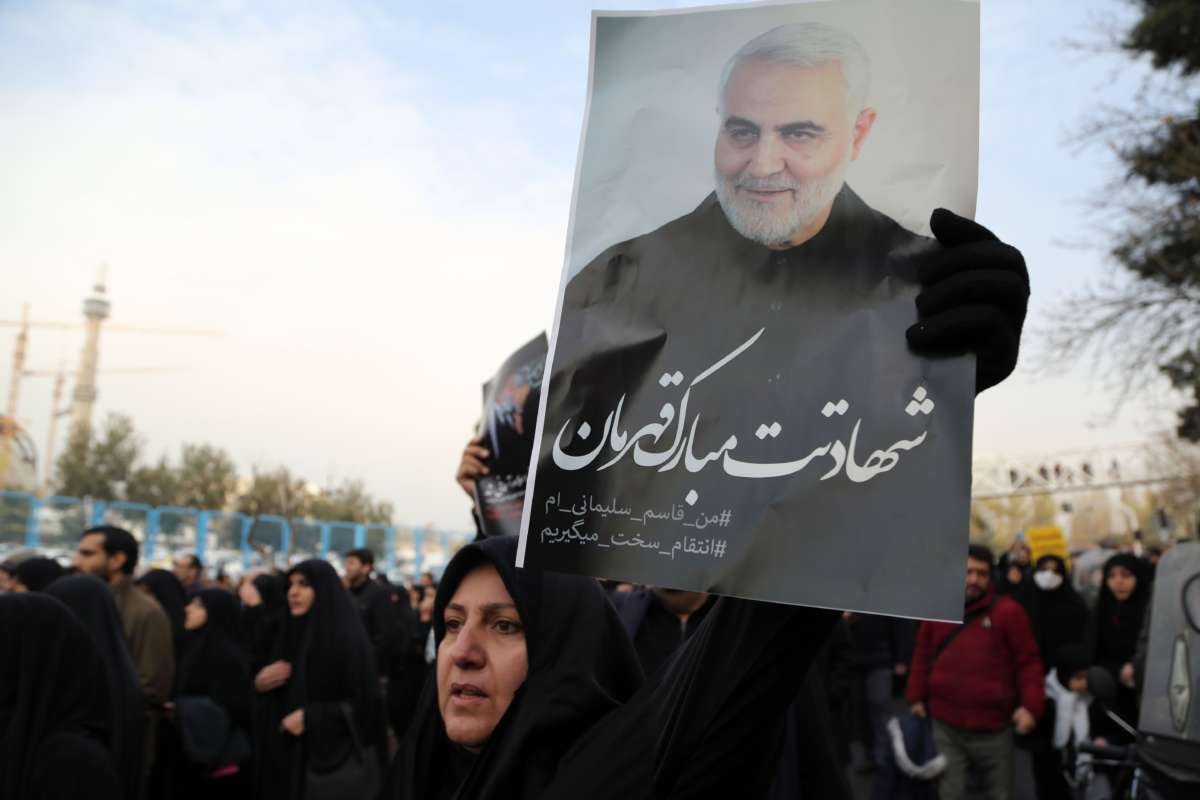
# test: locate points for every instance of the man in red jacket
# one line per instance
(978, 681)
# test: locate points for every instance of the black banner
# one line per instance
(510, 410)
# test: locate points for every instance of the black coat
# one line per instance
(1113, 638)
(213, 664)
(170, 594)
(1059, 616)
(333, 666)
(260, 625)
(586, 725)
(379, 617)
(55, 715)
(92, 604)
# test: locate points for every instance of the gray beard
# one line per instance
(760, 222)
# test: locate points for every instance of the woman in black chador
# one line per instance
(92, 604)
(538, 693)
(1059, 615)
(1120, 608)
(170, 594)
(321, 678)
(54, 709)
(214, 668)
(264, 608)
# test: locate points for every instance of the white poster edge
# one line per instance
(564, 274)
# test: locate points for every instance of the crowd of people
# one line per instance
(122, 683)
(301, 683)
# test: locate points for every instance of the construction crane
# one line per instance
(60, 380)
(96, 309)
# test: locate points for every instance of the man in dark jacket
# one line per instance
(111, 554)
(978, 682)
(882, 647)
(374, 603)
(659, 621)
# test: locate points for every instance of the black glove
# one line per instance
(974, 292)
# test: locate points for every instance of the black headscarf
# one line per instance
(581, 666)
(1059, 616)
(332, 663)
(272, 587)
(38, 573)
(92, 604)
(260, 624)
(1024, 591)
(170, 594)
(212, 663)
(1117, 624)
(54, 711)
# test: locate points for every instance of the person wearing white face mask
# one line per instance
(1047, 580)
(1058, 613)
(1060, 622)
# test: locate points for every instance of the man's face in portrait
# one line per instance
(787, 136)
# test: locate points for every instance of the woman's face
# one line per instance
(425, 608)
(300, 595)
(1121, 582)
(195, 615)
(482, 660)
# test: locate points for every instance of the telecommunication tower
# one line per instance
(96, 309)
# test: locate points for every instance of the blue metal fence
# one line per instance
(55, 524)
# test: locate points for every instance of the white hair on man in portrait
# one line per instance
(806, 44)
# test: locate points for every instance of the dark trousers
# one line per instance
(877, 698)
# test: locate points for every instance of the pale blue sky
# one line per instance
(371, 200)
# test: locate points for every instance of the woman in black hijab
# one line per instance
(214, 666)
(1059, 615)
(36, 574)
(54, 713)
(321, 679)
(1013, 578)
(264, 608)
(538, 693)
(1060, 620)
(1120, 609)
(171, 595)
(92, 604)
(407, 668)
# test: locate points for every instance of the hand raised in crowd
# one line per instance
(272, 676)
(974, 294)
(918, 709)
(293, 723)
(472, 465)
(1023, 721)
(249, 594)
(1126, 676)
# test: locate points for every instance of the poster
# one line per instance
(510, 402)
(1048, 541)
(731, 405)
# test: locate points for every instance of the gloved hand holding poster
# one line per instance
(732, 405)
